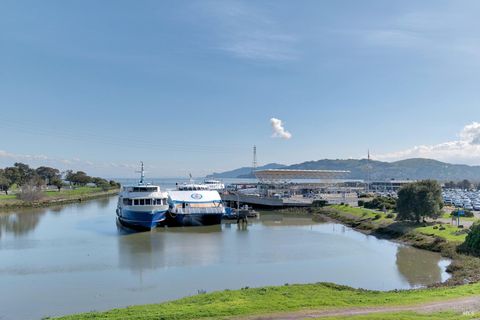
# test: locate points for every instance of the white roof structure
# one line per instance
(196, 196)
(289, 174)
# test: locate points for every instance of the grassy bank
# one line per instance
(56, 197)
(288, 298)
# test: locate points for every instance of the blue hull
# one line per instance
(141, 220)
(192, 219)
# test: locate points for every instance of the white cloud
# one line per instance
(279, 130)
(466, 149)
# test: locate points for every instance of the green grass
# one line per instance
(288, 298)
(358, 211)
(450, 233)
(72, 192)
(410, 316)
(7, 196)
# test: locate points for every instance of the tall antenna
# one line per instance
(369, 167)
(254, 164)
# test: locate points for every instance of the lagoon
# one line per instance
(75, 258)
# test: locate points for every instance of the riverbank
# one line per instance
(51, 198)
(275, 302)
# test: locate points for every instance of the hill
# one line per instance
(414, 169)
(244, 172)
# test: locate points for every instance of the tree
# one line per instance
(465, 184)
(25, 173)
(4, 182)
(57, 182)
(450, 185)
(48, 174)
(78, 178)
(419, 200)
(13, 175)
(472, 241)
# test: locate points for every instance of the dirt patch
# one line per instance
(468, 304)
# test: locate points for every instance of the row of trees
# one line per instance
(22, 175)
(464, 184)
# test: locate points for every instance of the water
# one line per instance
(74, 258)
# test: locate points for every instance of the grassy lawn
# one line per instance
(72, 192)
(360, 212)
(220, 305)
(7, 196)
(451, 233)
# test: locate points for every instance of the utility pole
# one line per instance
(254, 163)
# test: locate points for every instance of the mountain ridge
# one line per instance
(413, 169)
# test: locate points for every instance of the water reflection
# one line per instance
(20, 223)
(418, 267)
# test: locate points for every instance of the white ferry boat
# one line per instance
(214, 184)
(142, 206)
(194, 205)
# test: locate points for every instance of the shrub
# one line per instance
(29, 193)
(361, 203)
(390, 215)
(377, 216)
(472, 241)
(319, 203)
(468, 213)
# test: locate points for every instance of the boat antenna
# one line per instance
(142, 173)
(191, 178)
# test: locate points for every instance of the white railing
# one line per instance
(211, 210)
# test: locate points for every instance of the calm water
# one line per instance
(74, 258)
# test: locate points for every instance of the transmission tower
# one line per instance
(254, 163)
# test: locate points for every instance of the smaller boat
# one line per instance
(242, 212)
(214, 184)
(142, 206)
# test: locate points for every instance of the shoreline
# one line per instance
(463, 268)
(8, 205)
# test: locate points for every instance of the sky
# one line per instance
(191, 86)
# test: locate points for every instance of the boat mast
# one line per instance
(142, 173)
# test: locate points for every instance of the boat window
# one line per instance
(160, 201)
(136, 202)
(129, 202)
(142, 202)
(125, 201)
(145, 189)
(148, 202)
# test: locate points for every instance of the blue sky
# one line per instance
(191, 86)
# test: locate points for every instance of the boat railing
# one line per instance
(211, 210)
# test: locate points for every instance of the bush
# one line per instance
(472, 241)
(390, 215)
(379, 203)
(361, 203)
(30, 193)
(468, 213)
(319, 203)
(377, 216)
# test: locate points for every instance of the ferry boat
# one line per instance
(142, 206)
(194, 205)
(213, 184)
